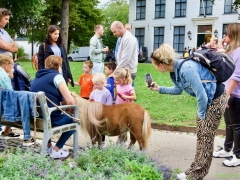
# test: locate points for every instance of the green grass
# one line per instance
(175, 110)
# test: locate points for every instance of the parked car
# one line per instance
(79, 54)
(143, 54)
(110, 57)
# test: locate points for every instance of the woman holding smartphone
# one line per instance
(211, 101)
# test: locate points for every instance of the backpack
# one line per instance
(35, 58)
(220, 64)
(21, 80)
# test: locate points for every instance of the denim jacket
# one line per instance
(17, 106)
(189, 78)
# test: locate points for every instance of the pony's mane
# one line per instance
(90, 113)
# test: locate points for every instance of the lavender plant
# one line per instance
(115, 162)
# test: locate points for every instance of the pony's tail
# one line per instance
(146, 128)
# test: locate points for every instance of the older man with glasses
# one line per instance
(7, 46)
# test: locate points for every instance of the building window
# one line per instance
(224, 29)
(207, 10)
(160, 8)
(180, 8)
(141, 9)
(178, 38)
(139, 34)
(228, 7)
(158, 37)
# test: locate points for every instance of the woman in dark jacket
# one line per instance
(54, 46)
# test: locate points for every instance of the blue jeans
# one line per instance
(66, 135)
(98, 67)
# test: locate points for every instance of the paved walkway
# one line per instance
(174, 149)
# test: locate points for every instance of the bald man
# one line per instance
(127, 51)
(129, 28)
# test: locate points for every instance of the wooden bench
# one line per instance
(43, 124)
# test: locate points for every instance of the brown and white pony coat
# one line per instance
(113, 120)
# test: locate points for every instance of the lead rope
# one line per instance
(74, 119)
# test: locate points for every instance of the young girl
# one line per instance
(125, 91)
(101, 94)
(85, 80)
(231, 115)
(54, 46)
(109, 68)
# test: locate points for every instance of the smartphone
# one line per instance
(148, 78)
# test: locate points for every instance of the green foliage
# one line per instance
(115, 162)
(118, 162)
(22, 14)
(21, 54)
(114, 10)
(139, 171)
(83, 16)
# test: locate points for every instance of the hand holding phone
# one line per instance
(148, 78)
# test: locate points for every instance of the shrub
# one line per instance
(115, 162)
(21, 55)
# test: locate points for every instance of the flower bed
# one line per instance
(115, 162)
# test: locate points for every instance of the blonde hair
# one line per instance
(124, 74)
(233, 32)
(5, 58)
(164, 54)
(99, 77)
(53, 62)
(214, 39)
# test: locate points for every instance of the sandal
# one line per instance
(11, 134)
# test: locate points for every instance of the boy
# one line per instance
(109, 68)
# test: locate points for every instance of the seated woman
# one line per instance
(52, 83)
(6, 72)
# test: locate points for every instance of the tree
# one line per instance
(32, 17)
(23, 13)
(64, 22)
(84, 15)
(114, 10)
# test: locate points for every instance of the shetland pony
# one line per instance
(113, 120)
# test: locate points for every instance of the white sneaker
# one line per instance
(181, 176)
(28, 142)
(103, 145)
(221, 153)
(234, 161)
(60, 154)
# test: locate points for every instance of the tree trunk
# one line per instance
(64, 22)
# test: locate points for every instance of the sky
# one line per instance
(102, 1)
